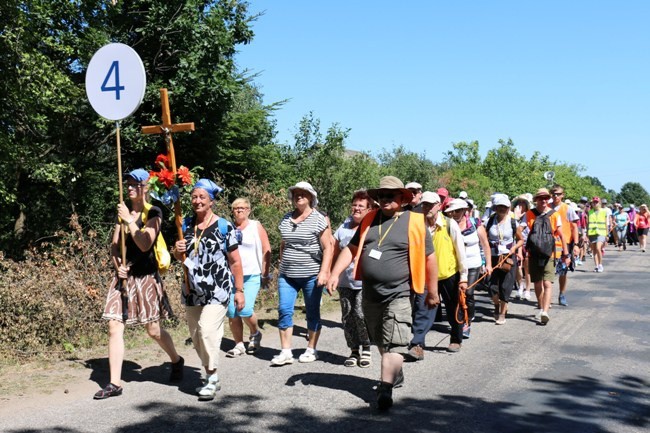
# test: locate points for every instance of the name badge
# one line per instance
(375, 254)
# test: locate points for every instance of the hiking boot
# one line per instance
(384, 396)
(176, 374)
(416, 353)
(563, 301)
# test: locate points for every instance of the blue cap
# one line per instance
(210, 187)
(139, 175)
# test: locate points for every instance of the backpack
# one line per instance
(541, 242)
(163, 257)
(490, 223)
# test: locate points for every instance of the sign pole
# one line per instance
(122, 285)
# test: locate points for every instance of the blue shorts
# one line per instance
(251, 288)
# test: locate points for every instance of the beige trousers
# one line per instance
(206, 330)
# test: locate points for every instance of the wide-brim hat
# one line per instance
(542, 192)
(391, 182)
(305, 186)
(455, 204)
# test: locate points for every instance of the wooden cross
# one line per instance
(167, 129)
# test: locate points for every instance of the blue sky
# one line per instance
(570, 79)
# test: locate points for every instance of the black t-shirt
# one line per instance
(142, 262)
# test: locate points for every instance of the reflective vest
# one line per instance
(444, 247)
(597, 223)
(417, 251)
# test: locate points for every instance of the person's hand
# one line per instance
(323, 277)
(489, 269)
(123, 272)
(462, 286)
(180, 246)
(432, 300)
(124, 213)
(567, 260)
(332, 283)
(266, 280)
(240, 302)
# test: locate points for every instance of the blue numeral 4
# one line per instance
(115, 66)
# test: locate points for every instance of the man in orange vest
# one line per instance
(569, 230)
(394, 254)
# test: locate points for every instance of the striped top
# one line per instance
(302, 254)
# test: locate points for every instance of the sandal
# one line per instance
(109, 391)
(352, 360)
(366, 359)
(236, 351)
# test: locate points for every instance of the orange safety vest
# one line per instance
(417, 250)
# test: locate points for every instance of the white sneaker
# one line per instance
(544, 318)
(209, 388)
(527, 295)
(285, 357)
(520, 293)
(310, 355)
(538, 314)
(600, 268)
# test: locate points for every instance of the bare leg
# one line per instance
(237, 329)
(562, 280)
(285, 337)
(163, 339)
(546, 295)
(391, 364)
(251, 322)
(539, 293)
(313, 338)
(115, 351)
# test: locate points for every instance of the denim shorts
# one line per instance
(288, 289)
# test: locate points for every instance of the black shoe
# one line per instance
(384, 396)
(110, 391)
(177, 370)
(399, 379)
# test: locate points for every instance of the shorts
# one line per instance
(541, 272)
(389, 324)
(251, 288)
(596, 238)
(642, 232)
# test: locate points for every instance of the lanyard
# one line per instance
(381, 238)
(197, 241)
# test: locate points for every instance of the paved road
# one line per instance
(587, 371)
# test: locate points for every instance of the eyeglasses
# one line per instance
(557, 194)
(240, 209)
(415, 190)
(387, 195)
(134, 185)
(359, 207)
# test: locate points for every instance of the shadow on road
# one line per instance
(577, 405)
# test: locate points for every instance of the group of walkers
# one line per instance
(400, 253)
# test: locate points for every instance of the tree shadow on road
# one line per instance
(580, 405)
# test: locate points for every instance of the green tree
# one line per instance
(407, 166)
(58, 156)
(633, 193)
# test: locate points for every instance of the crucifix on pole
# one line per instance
(167, 129)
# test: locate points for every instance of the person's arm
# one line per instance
(432, 299)
(327, 244)
(343, 260)
(144, 238)
(234, 260)
(266, 252)
(485, 245)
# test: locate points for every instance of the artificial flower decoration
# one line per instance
(165, 185)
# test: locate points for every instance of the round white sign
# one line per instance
(115, 81)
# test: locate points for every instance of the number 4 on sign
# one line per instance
(113, 70)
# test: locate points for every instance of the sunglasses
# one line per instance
(387, 195)
(557, 194)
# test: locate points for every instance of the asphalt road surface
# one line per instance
(588, 370)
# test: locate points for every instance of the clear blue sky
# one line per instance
(570, 79)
